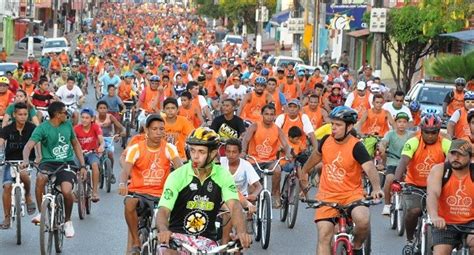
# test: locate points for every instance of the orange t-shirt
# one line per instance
(190, 114)
(264, 144)
(28, 89)
(462, 126)
(376, 123)
(416, 118)
(361, 104)
(150, 167)
(177, 132)
(124, 90)
(64, 59)
(276, 100)
(5, 101)
(456, 103)
(55, 64)
(290, 91)
(298, 122)
(149, 98)
(252, 110)
(455, 200)
(316, 117)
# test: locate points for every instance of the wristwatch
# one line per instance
(83, 167)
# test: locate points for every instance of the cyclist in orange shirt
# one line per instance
(28, 86)
(420, 153)
(189, 111)
(279, 99)
(6, 96)
(290, 88)
(262, 140)
(415, 109)
(316, 113)
(449, 201)
(252, 103)
(55, 65)
(376, 120)
(344, 159)
(457, 124)
(64, 58)
(177, 127)
(147, 165)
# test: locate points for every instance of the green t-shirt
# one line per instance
(194, 205)
(11, 109)
(411, 146)
(395, 145)
(55, 141)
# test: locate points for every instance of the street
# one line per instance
(105, 231)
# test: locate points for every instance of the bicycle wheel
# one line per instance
(81, 200)
(257, 222)
(393, 216)
(107, 174)
(88, 192)
(284, 199)
(127, 134)
(59, 224)
(46, 233)
(143, 237)
(341, 248)
(367, 246)
(401, 221)
(293, 201)
(18, 214)
(428, 240)
(101, 174)
(266, 220)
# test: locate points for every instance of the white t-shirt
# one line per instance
(389, 107)
(236, 93)
(244, 176)
(202, 101)
(307, 126)
(67, 96)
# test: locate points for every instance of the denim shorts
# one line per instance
(7, 175)
(109, 144)
(92, 158)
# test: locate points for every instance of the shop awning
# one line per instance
(359, 33)
(467, 35)
(280, 17)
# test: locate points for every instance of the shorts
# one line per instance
(390, 170)
(288, 167)
(330, 214)
(412, 201)
(109, 144)
(92, 158)
(62, 176)
(7, 175)
(263, 165)
(449, 236)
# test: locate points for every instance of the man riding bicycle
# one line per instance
(344, 160)
(419, 155)
(193, 195)
(449, 201)
(58, 146)
(146, 167)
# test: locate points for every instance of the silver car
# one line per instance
(38, 43)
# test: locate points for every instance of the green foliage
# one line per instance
(452, 66)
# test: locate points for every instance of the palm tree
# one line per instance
(452, 66)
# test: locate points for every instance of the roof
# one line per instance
(466, 35)
(359, 33)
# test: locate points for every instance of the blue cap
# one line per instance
(88, 111)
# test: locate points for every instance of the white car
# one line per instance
(55, 45)
(284, 60)
(8, 66)
(233, 40)
(309, 68)
(38, 42)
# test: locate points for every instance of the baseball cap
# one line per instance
(31, 55)
(153, 117)
(295, 102)
(88, 111)
(361, 85)
(461, 146)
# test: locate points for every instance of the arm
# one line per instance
(434, 191)
(299, 93)
(284, 142)
(243, 102)
(390, 119)
(199, 115)
(246, 139)
(312, 161)
(237, 216)
(256, 188)
(325, 114)
(372, 174)
(162, 224)
(362, 120)
(35, 120)
(78, 151)
(177, 162)
(101, 143)
(449, 128)
(118, 128)
(27, 150)
(6, 120)
(402, 167)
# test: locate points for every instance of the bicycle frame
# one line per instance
(423, 220)
(15, 173)
(465, 231)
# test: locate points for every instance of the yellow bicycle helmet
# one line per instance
(204, 136)
(4, 79)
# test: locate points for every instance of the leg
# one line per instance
(131, 218)
(386, 188)
(470, 243)
(7, 203)
(41, 181)
(411, 219)
(361, 218)
(325, 233)
(66, 190)
(276, 179)
(442, 249)
(95, 179)
(25, 178)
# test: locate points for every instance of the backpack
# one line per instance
(447, 172)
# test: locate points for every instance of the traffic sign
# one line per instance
(261, 14)
(378, 20)
(296, 26)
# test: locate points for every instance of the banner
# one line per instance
(345, 17)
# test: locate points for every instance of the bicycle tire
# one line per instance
(401, 221)
(284, 199)
(341, 248)
(428, 242)
(46, 234)
(266, 225)
(18, 214)
(293, 202)
(127, 134)
(143, 237)
(101, 174)
(108, 174)
(367, 245)
(88, 193)
(393, 217)
(81, 200)
(256, 223)
(59, 224)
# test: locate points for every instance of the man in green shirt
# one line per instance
(193, 195)
(58, 141)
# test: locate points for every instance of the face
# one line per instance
(313, 102)
(227, 107)
(171, 110)
(259, 88)
(295, 140)
(361, 92)
(293, 110)
(62, 115)
(398, 101)
(268, 116)
(469, 104)
(44, 86)
(459, 87)
(111, 91)
(430, 137)
(458, 161)
(194, 91)
(185, 101)
(339, 129)
(86, 119)
(70, 84)
(155, 132)
(471, 125)
(368, 71)
(28, 81)
(21, 115)
(3, 88)
(232, 152)
(102, 109)
(401, 124)
(378, 103)
(154, 85)
(318, 91)
(271, 85)
(336, 91)
(20, 97)
(199, 155)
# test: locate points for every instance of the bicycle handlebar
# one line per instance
(63, 167)
(265, 170)
(368, 201)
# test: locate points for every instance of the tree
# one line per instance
(453, 66)
(412, 34)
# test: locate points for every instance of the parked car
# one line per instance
(284, 60)
(8, 66)
(38, 42)
(430, 95)
(309, 68)
(55, 45)
(233, 40)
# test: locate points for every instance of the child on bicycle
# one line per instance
(294, 137)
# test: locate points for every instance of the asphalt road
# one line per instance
(104, 231)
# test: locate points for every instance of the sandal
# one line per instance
(5, 224)
(95, 198)
(31, 208)
(135, 250)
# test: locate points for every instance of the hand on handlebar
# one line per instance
(164, 237)
(438, 222)
(83, 173)
(377, 194)
(245, 239)
(123, 190)
(396, 186)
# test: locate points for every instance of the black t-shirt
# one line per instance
(228, 128)
(15, 142)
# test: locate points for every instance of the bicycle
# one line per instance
(262, 219)
(184, 248)
(84, 193)
(397, 213)
(52, 213)
(463, 248)
(423, 237)
(106, 171)
(290, 192)
(147, 232)
(18, 202)
(127, 121)
(342, 239)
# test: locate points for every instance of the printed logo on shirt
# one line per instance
(334, 170)
(264, 150)
(154, 175)
(195, 222)
(61, 150)
(461, 202)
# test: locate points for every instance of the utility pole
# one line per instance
(315, 42)
(55, 18)
(259, 16)
(378, 45)
(31, 27)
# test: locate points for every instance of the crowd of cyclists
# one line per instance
(200, 108)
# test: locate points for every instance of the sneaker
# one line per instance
(386, 210)
(112, 179)
(37, 219)
(69, 229)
